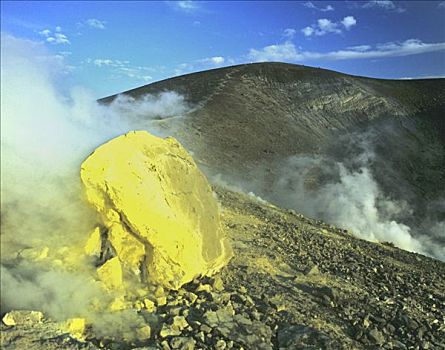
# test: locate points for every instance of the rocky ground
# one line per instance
(294, 283)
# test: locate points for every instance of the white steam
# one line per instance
(45, 136)
(346, 193)
(353, 200)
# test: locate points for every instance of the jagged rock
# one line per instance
(180, 322)
(218, 284)
(75, 327)
(220, 345)
(149, 305)
(143, 332)
(160, 212)
(182, 343)
(169, 330)
(110, 273)
(376, 336)
(22, 317)
(94, 244)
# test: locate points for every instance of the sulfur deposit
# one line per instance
(159, 215)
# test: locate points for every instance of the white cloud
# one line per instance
(45, 32)
(438, 76)
(216, 60)
(184, 6)
(119, 68)
(325, 26)
(103, 62)
(349, 21)
(359, 47)
(289, 33)
(95, 23)
(288, 52)
(205, 63)
(308, 31)
(384, 4)
(441, 5)
(276, 53)
(322, 27)
(311, 5)
(54, 38)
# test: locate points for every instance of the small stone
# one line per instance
(149, 305)
(159, 292)
(191, 297)
(204, 288)
(218, 284)
(201, 336)
(211, 318)
(391, 329)
(160, 301)
(165, 345)
(256, 315)
(119, 303)
(183, 343)
(426, 345)
(281, 307)
(94, 243)
(180, 322)
(175, 311)
(204, 328)
(366, 322)
(220, 345)
(143, 332)
(376, 336)
(168, 330)
(110, 273)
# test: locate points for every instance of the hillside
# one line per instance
(294, 283)
(252, 125)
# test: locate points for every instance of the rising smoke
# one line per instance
(45, 136)
(355, 186)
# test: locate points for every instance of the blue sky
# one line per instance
(110, 47)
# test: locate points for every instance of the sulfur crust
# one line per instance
(158, 208)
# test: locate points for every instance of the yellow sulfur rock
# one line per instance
(119, 303)
(160, 301)
(93, 245)
(110, 273)
(143, 332)
(22, 317)
(149, 305)
(162, 217)
(34, 253)
(75, 327)
(126, 246)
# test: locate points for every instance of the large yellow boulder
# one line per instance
(160, 212)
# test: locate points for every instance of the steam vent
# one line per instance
(160, 215)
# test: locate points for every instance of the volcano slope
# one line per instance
(294, 283)
(250, 124)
